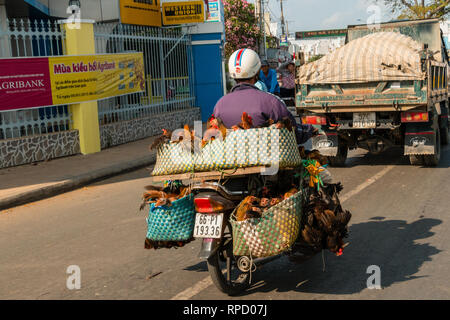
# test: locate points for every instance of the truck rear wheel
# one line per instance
(340, 158)
(445, 135)
(432, 160)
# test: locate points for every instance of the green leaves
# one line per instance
(413, 9)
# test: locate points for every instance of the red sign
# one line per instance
(41, 82)
(24, 83)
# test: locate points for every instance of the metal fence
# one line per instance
(168, 70)
(32, 38)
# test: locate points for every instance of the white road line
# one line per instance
(194, 290)
(365, 184)
(206, 282)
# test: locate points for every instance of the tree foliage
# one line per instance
(315, 58)
(241, 26)
(418, 9)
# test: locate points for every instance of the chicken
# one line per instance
(312, 236)
(154, 194)
(328, 196)
(215, 129)
(324, 214)
(301, 149)
(290, 193)
(152, 244)
(315, 155)
(164, 138)
(162, 202)
(275, 201)
(217, 124)
(325, 219)
(187, 138)
(163, 196)
(267, 124)
(284, 123)
(246, 122)
(334, 243)
(245, 209)
(151, 187)
(264, 203)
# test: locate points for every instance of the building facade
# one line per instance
(445, 27)
(178, 89)
(320, 42)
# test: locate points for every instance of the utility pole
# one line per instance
(282, 18)
(263, 24)
(259, 13)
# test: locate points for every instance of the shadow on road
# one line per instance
(392, 156)
(390, 244)
(199, 267)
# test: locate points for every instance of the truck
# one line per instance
(388, 86)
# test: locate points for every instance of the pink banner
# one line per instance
(24, 83)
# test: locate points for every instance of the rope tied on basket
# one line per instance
(313, 170)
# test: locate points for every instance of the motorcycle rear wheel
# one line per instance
(223, 268)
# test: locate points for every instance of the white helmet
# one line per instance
(244, 64)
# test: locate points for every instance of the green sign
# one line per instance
(321, 33)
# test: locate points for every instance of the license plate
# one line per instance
(325, 144)
(364, 120)
(208, 225)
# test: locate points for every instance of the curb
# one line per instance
(76, 182)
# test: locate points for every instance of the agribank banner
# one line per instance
(36, 82)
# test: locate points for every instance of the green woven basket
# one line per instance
(273, 233)
(172, 223)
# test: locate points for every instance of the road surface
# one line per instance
(400, 223)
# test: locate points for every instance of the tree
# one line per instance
(241, 26)
(419, 9)
(315, 58)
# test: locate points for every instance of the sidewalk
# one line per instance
(28, 183)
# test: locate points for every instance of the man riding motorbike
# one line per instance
(269, 77)
(244, 65)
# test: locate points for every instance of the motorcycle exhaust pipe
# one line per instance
(208, 248)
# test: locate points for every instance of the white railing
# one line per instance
(26, 38)
(168, 70)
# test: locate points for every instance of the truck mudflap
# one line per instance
(326, 143)
(420, 140)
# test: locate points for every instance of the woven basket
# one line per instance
(172, 223)
(172, 158)
(273, 233)
(240, 149)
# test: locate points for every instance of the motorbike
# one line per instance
(214, 202)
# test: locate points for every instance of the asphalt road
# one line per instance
(400, 223)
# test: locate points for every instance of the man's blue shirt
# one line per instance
(270, 81)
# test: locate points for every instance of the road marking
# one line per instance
(206, 282)
(365, 184)
(194, 290)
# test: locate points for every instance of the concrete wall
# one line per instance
(132, 130)
(15, 152)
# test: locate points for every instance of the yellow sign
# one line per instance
(183, 12)
(141, 12)
(77, 79)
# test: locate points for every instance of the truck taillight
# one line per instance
(415, 117)
(207, 205)
(314, 120)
